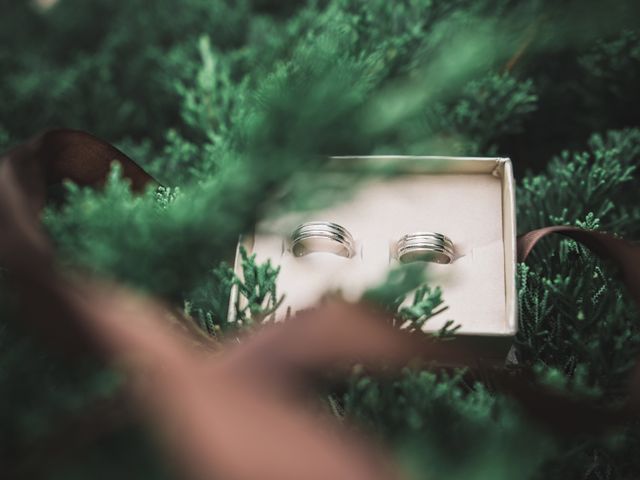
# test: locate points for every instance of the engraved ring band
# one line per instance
(326, 237)
(425, 246)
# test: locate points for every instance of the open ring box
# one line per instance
(470, 200)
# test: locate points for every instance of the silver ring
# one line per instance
(326, 237)
(426, 247)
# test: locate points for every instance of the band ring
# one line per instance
(325, 237)
(425, 246)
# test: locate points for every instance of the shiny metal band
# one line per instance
(326, 237)
(425, 246)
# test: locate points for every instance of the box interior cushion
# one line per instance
(465, 207)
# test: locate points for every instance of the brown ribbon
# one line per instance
(239, 412)
(623, 254)
(559, 411)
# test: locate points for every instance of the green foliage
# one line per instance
(258, 287)
(434, 421)
(225, 101)
(573, 312)
(42, 395)
(487, 109)
(208, 105)
(209, 303)
(426, 302)
(610, 68)
(111, 56)
(575, 318)
(393, 291)
(254, 293)
(597, 182)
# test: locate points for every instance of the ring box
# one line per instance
(468, 199)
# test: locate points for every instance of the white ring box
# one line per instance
(469, 199)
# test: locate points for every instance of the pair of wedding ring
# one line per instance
(333, 238)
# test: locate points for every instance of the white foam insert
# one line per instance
(467, 207)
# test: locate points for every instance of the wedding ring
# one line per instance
(425, 246)
(327, 237)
